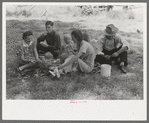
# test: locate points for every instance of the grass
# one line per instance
(75, 85)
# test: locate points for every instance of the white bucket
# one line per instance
(105, 70)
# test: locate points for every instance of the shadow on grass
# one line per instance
(93, 87)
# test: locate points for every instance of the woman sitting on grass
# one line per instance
(84, 58)
(27, 52)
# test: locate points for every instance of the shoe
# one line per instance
(56, 71)
(122, 69)
(52, 73)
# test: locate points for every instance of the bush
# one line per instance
(120, 15)
(24, 13)
(75, 11)
(103, 14)
(9, 14)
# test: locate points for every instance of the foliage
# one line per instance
(23, 12)
(75, 11)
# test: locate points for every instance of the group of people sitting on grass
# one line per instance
(77, 53)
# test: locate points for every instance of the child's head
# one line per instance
(27, 36)
(48, 55)
(67, 39)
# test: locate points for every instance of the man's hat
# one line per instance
(110, 30)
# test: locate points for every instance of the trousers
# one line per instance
(55, 53)
(122, 57)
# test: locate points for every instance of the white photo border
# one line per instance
(63, 109)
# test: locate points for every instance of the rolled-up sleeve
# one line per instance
(122, 41)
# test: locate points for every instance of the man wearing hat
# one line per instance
(111, 47)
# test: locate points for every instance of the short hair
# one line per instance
(27, 33)
(49, 23)
(77, 34)
(66, 37)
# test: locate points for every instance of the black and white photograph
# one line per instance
(75, 54)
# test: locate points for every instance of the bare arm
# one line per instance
(82, 50)
(71, 60)
(122, 50)
(35, 49)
